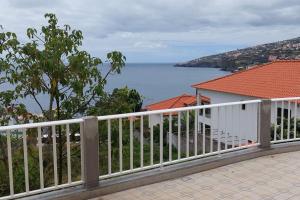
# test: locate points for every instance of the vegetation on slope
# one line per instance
(243, 58)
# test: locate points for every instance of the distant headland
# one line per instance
(243, 58)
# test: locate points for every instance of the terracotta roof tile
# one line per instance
(176, 102)
(277, 79)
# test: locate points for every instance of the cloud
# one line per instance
(34, 4)
(149, 45)
(181, 29)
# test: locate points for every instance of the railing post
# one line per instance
(264, 123)
(90, 152)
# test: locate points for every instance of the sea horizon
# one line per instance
(154, 81)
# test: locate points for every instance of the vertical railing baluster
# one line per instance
(81, 150)
(211, 136)
(239, 125)
(248, 119)
(131, 143)
(151, 144)
(225, 127)
(203, 132)
(68, 153)
(170, 137)
(232, 128)
(218, 130)
(142, 141)
(289, 120)
(255, 122)
(295, 120)
(161, 139)
(187, 133)
(40, 146)
(120, 145)
(54, 156)
(275, 123)
(179, 135)
(196, 134)
(25, 161)
(10, 168)
(109, 145)
(282, 108)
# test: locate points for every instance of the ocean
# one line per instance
(154, 82)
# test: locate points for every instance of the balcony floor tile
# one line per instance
(275, 177)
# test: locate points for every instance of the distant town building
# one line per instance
(272, 58)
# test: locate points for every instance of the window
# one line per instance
(285, 113)
(243, 106)
(207, 128)
(207, 112)
(201, 112)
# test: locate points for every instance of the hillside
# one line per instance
(242, 58)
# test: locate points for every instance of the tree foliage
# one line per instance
(52, 63)
(121, 100)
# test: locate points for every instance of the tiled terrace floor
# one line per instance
(274, 177)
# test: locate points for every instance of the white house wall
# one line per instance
(231, 121)
(235, 121)
(154, 120)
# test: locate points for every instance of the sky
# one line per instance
(159, 31)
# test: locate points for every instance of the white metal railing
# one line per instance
(13, 132)
(139, 141)
(227, 123)
(284, 118)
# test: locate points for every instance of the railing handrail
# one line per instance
(40, 124)
(286, 99)
(135, 114)
(106, 117)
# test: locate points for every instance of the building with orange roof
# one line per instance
(272, 80)
(183, 100)
(276, 79)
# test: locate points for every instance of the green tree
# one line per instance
(52, 63)
(121, 100)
